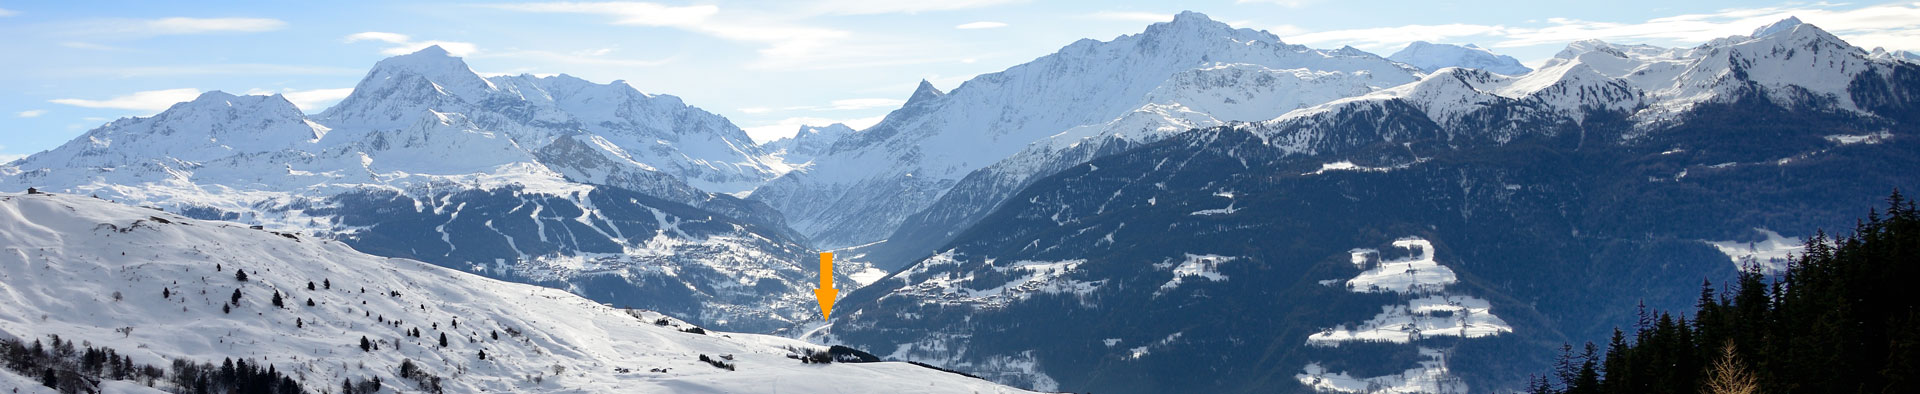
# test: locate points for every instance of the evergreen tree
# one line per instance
(365, 345)
(277, 303)
(240, 275)
(483, 354)
(327, 283)
(166, 293)
(1841, 318)
(443, 339)
(309, 285)
(309, 302)
(236, 297)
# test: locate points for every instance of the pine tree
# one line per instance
(299, 323)
(365, 345)
(236, 297)
(240, 274)
(483, 354)
(166, 293)
(277, 303)
(327, 283)
(1729, 375)
(226, 309)
(443, 339)
(309, 285)
(309, 302)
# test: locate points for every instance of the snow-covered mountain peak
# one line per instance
(1432, 57)
(1776, 27)
(916, 153)
(1189, 25)
(924, 93)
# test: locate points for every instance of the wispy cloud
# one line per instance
(787, 127)
(6, 12)
(311, 100)
(150, 100)
(124, 28)
(401, 44)
(1389, 37)
(784, 44)
(32, 113)
(981, 25)
(1131, 16)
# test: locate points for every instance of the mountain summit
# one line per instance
(867, 185)
(1433, 57)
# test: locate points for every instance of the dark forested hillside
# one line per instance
(1844, 317)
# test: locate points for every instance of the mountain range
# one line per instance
(1195, 207)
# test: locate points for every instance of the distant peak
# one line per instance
(1776, 27)
(1191, 17)
(1189, 21)
(429, 58)
(432, 50)
(214, 96)
(924, 92)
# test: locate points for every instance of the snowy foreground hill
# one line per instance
(153, 286)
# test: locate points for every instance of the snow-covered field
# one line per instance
(1431, 313)
(93, 271)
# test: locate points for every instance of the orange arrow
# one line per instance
(826, 293)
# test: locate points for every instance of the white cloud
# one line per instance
(403, 44)
(6, 12)
(311, 100)
(1131, 16)
(786, 127)
(150, 100)
(980, 25)
(871, 7)
(126, 28)
(1393, 37)
(32, 113)
(784, 45)
(1286, 30)
(211, 25)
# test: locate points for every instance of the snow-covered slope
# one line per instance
(1433, 57)
(93, 271)
(867, 184)
(516, 177)
(1203, 97)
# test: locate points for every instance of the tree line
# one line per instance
(1843, 317)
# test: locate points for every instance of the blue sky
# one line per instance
(767, 65)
